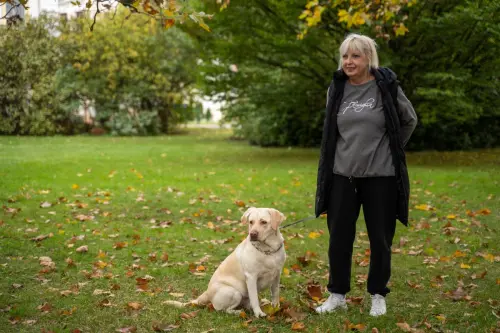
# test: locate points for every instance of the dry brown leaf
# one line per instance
(47, 262)
(298, 326)
(39, 238)
(30, 322)
(189, 315)
(45, 204)
(239, 203)
(414, 285)
(100, 264)
(120, 245)
(484, 211)
(70, 262)
(105, 303)
(135, 305)
(405, 327)
(355, 300)
(356, 327)
(422, 225)
(45, 307)
(480, 276)
(365, 262)
(66, 292)
(314, 291)
(82, 249)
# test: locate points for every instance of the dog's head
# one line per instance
(262, 222)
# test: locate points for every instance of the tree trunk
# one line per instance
(163, 115)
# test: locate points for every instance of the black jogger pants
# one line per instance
(378, 196)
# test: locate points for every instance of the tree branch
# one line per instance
(95, 15)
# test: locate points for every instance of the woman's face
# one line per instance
(355, 64)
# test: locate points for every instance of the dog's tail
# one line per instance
(201, 300)
(177, 304)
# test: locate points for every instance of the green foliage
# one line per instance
(272, 84)
(142, 123)
(447, 64)
(132, 71)
(28, 102)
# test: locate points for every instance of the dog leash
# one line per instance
(301, 220)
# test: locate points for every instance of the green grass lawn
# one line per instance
(158, 214)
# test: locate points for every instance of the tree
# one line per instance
(271, 83)
(132, 70)
(449, 68)
(167, 13)
(278, 92)
(28, 102)
(208, 115)
(385, 17)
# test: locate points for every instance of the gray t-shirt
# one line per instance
(363, 142)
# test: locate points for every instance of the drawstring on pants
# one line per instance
(352, 180)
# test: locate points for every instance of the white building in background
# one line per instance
(11, 11)
(214, 108)
(37, 7)
(62, 8)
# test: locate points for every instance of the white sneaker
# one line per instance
(378, 306)
(334, 302)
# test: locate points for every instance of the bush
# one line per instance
(143, 123)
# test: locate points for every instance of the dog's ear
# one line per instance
(276, 218)
(244, 218)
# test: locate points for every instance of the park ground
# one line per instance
(97, 232)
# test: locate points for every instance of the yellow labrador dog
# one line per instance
(254, 265)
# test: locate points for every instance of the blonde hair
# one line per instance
(359, 43)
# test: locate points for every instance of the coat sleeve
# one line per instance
(407, 116)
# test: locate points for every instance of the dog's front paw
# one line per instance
(259, 313)
(275, 304)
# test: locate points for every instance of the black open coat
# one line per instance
(387, 82)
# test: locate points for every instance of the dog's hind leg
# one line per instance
(227, 299)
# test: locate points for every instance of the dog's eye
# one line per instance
(251, 222)
(263, 222)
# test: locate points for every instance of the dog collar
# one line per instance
(267, 252)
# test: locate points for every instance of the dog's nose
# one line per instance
(254, 235)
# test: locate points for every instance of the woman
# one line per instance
(362, 163)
